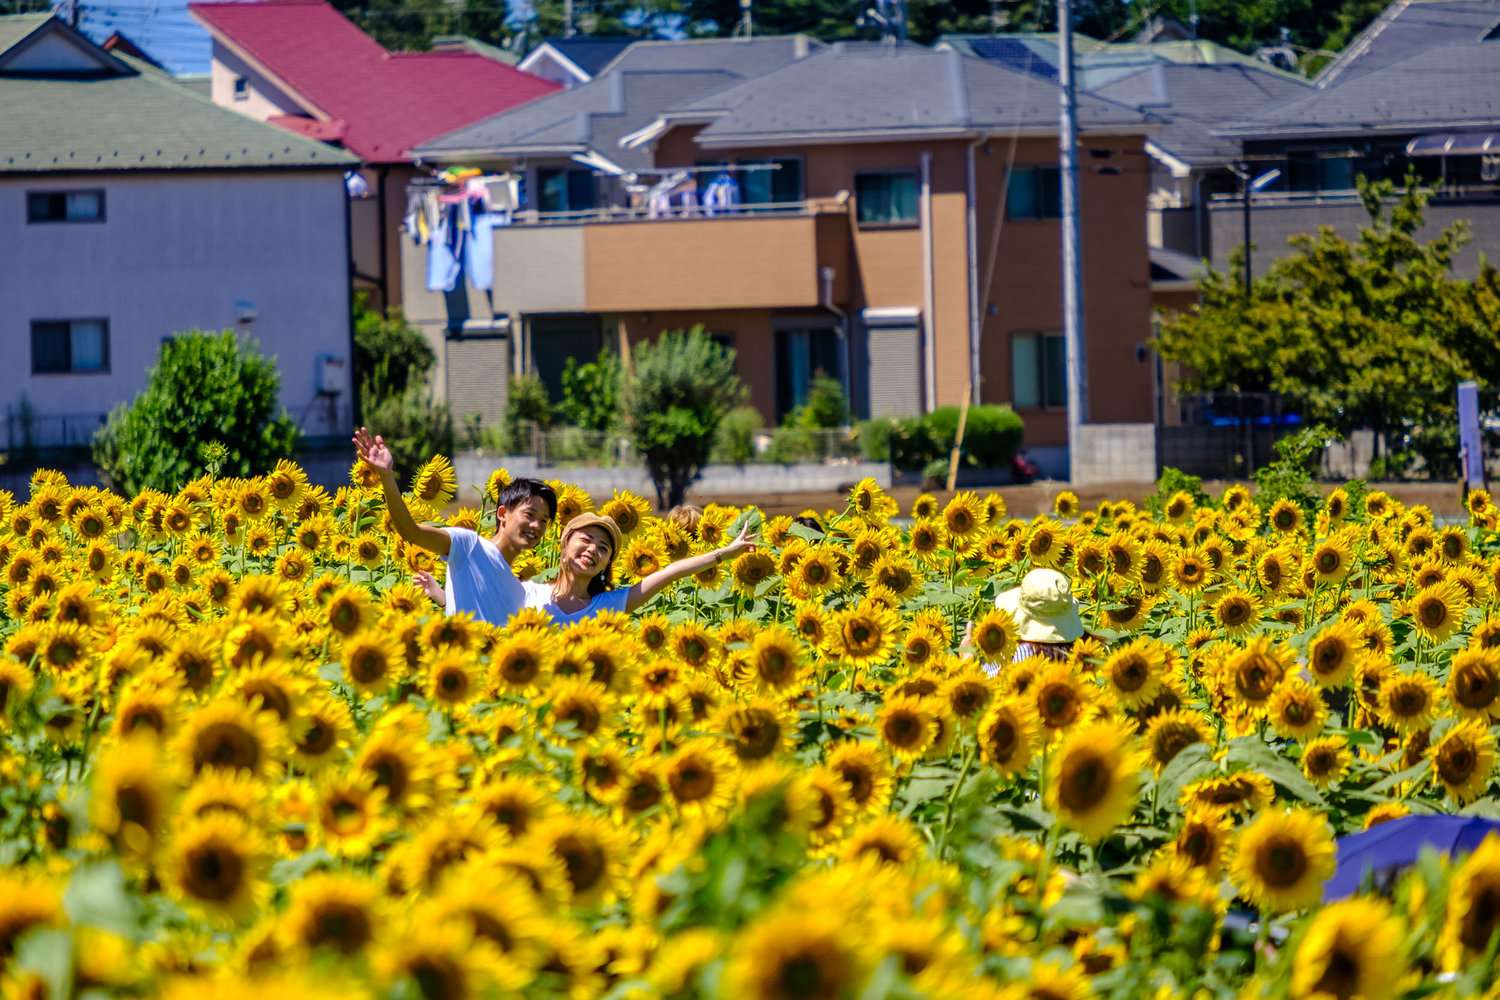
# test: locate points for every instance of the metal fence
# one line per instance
(575, 446)
(1224, 435)
(29, 434)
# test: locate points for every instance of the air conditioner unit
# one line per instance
(331, 378)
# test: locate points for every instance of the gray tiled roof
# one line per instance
(1452, 86)
(1194, 99)
(630, 92)
(137, 121)
(1408, 27)
(855, 88)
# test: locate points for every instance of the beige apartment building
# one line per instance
(894, 224)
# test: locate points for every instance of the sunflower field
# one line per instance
(243, 755)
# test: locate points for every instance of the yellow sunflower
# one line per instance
(1463, 761)
(1352, 948)
(1283, 858)
(1094, 779)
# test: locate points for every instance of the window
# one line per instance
(1320, 171)
(63, 346)
(886, 199)
(1038, 371)
(801, 356)
(241, 89)
(781, 186)
(1034, 193)
(64, 206)
(565, 190)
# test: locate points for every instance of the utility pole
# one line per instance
(567, 18)
(747, 25)
(1072, 262)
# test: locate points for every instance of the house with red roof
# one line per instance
(303, 66)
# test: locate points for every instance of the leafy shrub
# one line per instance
(526, 403)
(827, 406)
(591, 392)
(875, 439)
(911, 444)
(736, 440)
(791, 443)
(203, 387)
(677, 392)
(992, 434)
(1291, 475)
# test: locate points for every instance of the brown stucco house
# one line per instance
(895, 225)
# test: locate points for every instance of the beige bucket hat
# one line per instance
(1043, 607)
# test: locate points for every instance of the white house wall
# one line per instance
(179, 251)
(262, 99)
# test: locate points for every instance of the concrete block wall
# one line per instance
(1116, 453)
(745, 481)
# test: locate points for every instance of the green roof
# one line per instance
(138, 120)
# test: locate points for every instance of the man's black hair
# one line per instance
(523, 489)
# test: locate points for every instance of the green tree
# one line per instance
(204, 387)
(676, 392)
(389, 353)
(392, 364)
(526, 403)
(591, 392)
(1372, 332)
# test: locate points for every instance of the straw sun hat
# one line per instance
(1043, 607)
(596, 521)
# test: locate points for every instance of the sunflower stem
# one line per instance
(963, 776)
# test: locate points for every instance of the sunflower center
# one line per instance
(1476, 687)
(584, 861)
(344, 815)
(1282, 863)
(1003, 739)
(1131, 674)
(1482, 919)
(692, 781)
(225, 744)
(317, 740)
(342, 926)
(1433, 613)
(642, 794)
(1171, 741)
(1456, 761)
(1084, 783)
(215, 872)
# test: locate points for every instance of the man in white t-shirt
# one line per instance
(480, 580)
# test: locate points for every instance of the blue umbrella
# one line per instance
(1395, 845)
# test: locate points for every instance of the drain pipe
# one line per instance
(972, 224)
(929, 349)
(825, 299)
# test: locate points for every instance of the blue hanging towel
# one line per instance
(444, 252)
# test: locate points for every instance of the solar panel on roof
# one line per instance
(1013, 55)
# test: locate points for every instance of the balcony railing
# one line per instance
(642, 213)
(1441, 193)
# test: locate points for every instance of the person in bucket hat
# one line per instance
(1045, 613)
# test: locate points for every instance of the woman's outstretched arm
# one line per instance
(651, 585)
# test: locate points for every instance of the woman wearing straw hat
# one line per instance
(1046, 616)
(586, 556)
